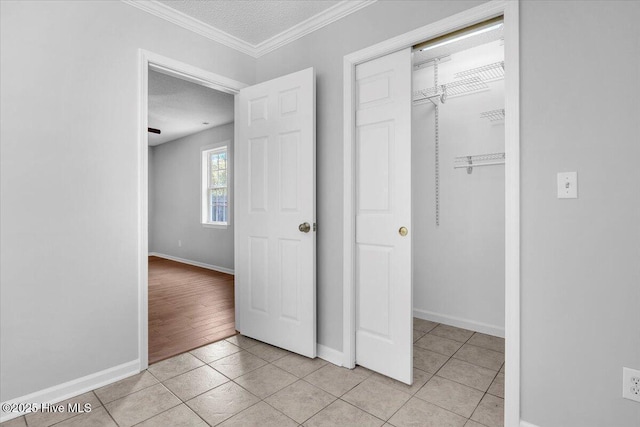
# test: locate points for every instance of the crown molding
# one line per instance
(307, 26)
(322, 19)
(185, 21)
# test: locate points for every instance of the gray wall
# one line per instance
(458, 266)
(580, 258)
(176, 199)
(69, 164)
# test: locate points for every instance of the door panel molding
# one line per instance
(275, 176)
(383, 183)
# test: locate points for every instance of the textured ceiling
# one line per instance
(178, 108)
(253, 21)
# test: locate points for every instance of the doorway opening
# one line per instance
(446, 183)
(186, 253)
(191, 295)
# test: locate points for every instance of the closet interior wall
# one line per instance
(459, 265)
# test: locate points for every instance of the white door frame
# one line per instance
(149, 60)
(510, 10)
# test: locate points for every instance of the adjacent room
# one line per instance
(191, 295)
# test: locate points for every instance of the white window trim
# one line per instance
(204, 206)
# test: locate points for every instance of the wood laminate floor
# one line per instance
(188, 308)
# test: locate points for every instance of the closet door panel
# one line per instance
(383, 214)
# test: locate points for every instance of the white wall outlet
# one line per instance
(567, 185)
(179, 243)
(631, 384)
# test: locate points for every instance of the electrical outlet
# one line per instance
(631, 384)
(179, 243)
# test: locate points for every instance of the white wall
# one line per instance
(69, 165)
(177, 201)
(458, 266)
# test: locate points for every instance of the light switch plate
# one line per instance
(567, 185)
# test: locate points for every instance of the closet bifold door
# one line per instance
(383, 216)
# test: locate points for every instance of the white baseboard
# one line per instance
(73, 388)
(526, 424)
(472, 325)
(194, 263)
(330, 355)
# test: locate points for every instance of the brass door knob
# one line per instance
(304, 227)
(403, 231)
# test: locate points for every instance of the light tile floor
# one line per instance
(458, 381)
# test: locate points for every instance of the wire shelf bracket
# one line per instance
(439, 94)
(493, 115)
(431, 94)
(469, 162)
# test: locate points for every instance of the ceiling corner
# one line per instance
(322, 19)
(158, 9)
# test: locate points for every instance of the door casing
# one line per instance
(510, 11)
(149, 60)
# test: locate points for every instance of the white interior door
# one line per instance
(275, 213)
(383, 216)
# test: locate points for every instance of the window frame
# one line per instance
(205, 172)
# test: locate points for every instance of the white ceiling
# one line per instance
(254, 27)
(178, 108)
(250, 20)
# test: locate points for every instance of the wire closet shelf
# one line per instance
(471, 80)
(469, 162)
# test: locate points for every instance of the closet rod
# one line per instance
(460, 32)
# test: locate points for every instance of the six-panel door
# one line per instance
(383, 208)
(275, 268)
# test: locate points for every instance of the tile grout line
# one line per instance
(483, 396)
(436, 374)
(168, 389)
(323, 408)
(264, 400)
(277, 410)
(426, 382)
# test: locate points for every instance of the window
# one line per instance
(215, 194)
